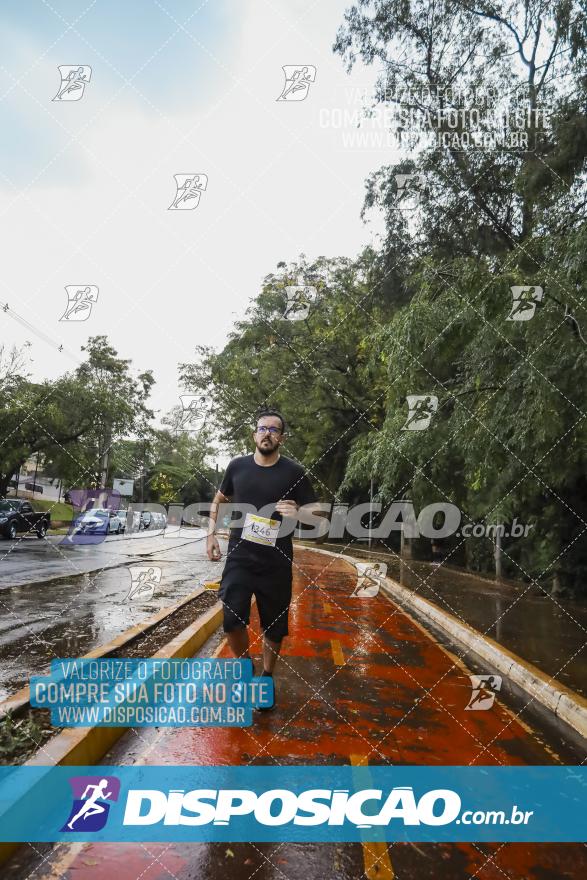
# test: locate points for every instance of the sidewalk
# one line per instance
(359, 681)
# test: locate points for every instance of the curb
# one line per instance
(449, 569)
(86, 745)
(563, 702)
(20, 699)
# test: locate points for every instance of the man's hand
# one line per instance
(213, 548)
(287, 508)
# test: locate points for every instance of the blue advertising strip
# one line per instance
(285, 803)
(142, 692)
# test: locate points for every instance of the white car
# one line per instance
(159, 521)
(99, 521)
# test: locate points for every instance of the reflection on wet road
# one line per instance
(70, 616)
(549, 632)
(28, 560)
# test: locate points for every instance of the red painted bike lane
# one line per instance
(359, 681)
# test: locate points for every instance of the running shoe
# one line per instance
(238, 687)
(272, 706)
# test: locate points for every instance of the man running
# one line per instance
(259, 562)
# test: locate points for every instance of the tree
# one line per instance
(319, 371)
(73, 420)
(451, 69)
(511, 393)
(178, 472)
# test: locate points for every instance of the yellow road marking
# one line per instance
(377, 863)
(337, 654)
(375, 853)
(360, 760)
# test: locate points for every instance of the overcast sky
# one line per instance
(176, 87)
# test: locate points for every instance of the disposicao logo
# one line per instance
(90, 808)
(281, 806)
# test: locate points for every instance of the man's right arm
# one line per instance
(212, 545)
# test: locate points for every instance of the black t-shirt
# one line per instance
(246, 482)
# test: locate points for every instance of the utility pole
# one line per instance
(402, 546)
(105, 459)
(35, 477)
(143, 471)
(370, 511)
(497, 552)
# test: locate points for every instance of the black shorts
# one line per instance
(271, 588)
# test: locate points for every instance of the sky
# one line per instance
(176, 87)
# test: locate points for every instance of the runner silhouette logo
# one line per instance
(90, 808)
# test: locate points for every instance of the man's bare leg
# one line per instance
(238, 641)
(270, 654)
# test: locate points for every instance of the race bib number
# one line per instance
(260, 530)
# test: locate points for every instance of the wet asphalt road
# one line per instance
(548, 631)
(359, 682)
(29, 560)
(82, 609)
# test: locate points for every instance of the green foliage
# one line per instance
(428, 314)
(18, 738)
(319, 372)
(509, 436)
(74, 420)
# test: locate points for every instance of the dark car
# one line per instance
(17, 515)
(34, 487)
(146, 520)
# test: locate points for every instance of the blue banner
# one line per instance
(144, 692)
(288, 803)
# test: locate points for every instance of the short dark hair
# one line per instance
(262, 413)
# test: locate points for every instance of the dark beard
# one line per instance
(266, 450)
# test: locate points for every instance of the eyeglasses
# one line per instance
(263, 429)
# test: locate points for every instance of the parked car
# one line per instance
(158, 520)
(118, 521)
(100, 521)
(34, 487)
(133, 520)
(17, 515)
